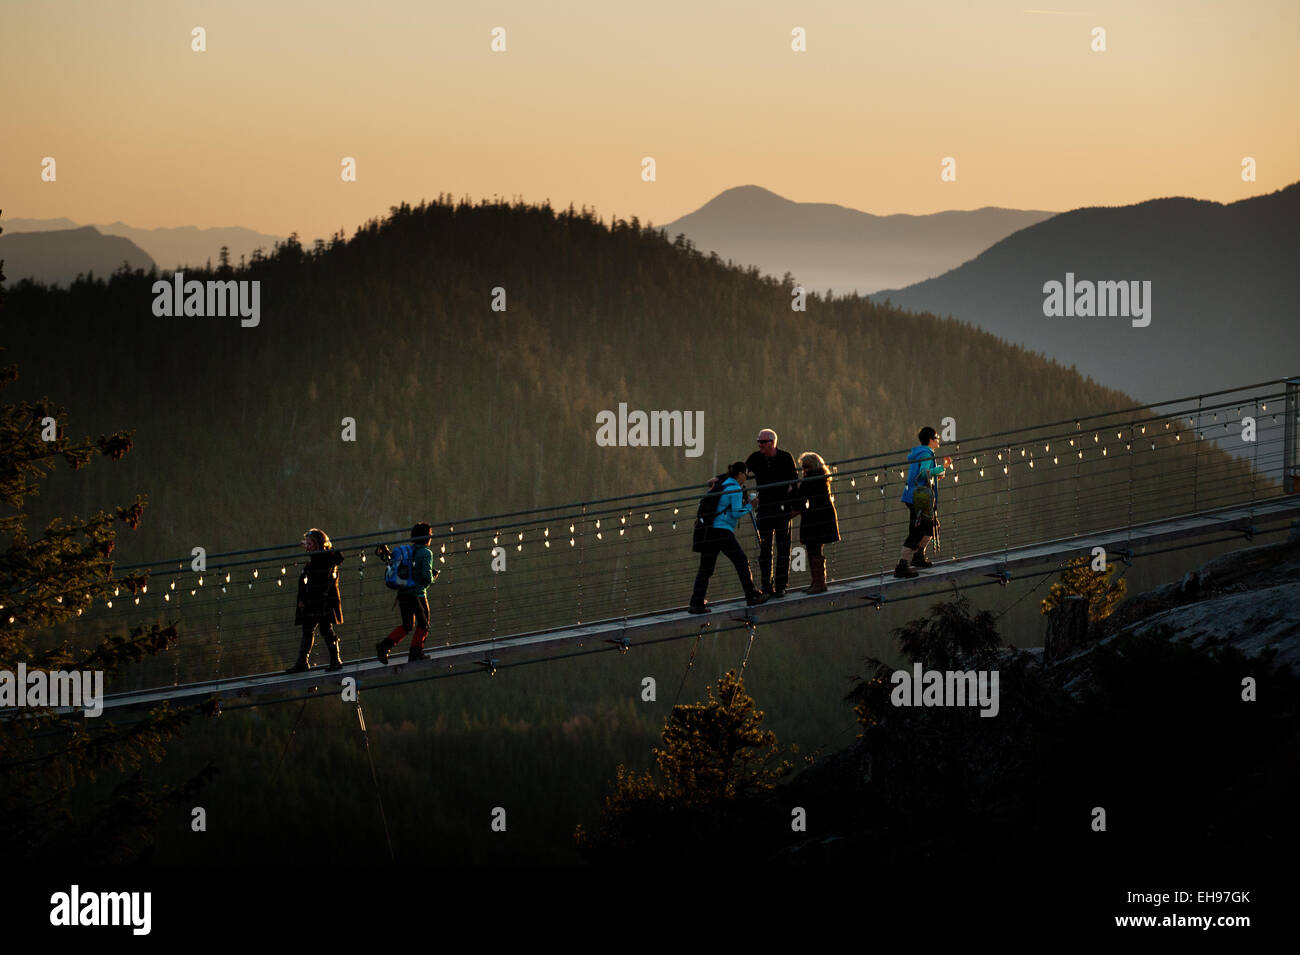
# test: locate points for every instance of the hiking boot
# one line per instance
(902, 570)
(697, 608)
(918, 560)
(336, 659)
(757, 598)
(817, 571)
(304, 654)
(382, 650)
(416, 653)
(779, 592)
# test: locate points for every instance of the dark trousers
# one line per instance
(414, 608)
(309, 633)
(770, 529)
(327, 636)
(917, 527)
(720, 542)
(326, 630)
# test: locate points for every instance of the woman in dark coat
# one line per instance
(319, 601)
(818, 523)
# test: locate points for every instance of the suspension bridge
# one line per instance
(612, 574)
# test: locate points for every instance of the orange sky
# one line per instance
(252, 131)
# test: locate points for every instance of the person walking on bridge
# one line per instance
(721, 539)
(776, 478)
(410, 572)
(319, 602)
(818, 523)
(920, 495)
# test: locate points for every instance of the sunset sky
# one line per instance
(252, 131)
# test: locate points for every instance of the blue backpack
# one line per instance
(401, 568)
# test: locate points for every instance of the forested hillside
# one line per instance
(461, 409)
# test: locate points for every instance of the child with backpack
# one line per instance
(920, 495)
(715, 533)
(319, 602)
(410, 572)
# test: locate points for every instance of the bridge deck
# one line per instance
(678, 621)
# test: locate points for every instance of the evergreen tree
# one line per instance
(1103, 591)
(713, 753)
(69, 784)
(949, 634)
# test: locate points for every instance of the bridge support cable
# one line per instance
(293, 733)
(690, 662)
(752, 627)
(374, 779)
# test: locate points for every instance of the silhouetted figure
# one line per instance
(410, 572)
(721, 539)
(319, 602)
(923, 473)
(819, 525)
(776, 477)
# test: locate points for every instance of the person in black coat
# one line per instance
(777, 477)
(818, 523)
(319, 602)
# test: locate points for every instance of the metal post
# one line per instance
(451, 552)
(1196, 462)
(956, 452)
(1006, 555)
(1129, 543)
(1291, 438)
(883, 519)
(582, 554)
(1077, 468)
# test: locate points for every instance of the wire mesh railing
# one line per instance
(616, 558)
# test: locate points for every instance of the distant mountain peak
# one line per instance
(830, 246)
(747, 198)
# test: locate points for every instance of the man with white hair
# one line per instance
(777, 479)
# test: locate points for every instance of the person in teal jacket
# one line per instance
(924, 470)
(411, 601)
(721, 539)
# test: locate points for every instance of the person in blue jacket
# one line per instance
(924, 470)
(721, 539)
(412, 602)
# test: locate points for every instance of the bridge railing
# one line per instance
(620, 557)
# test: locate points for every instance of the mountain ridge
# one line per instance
(828, 246)
(59, 256)
(1223, 280)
